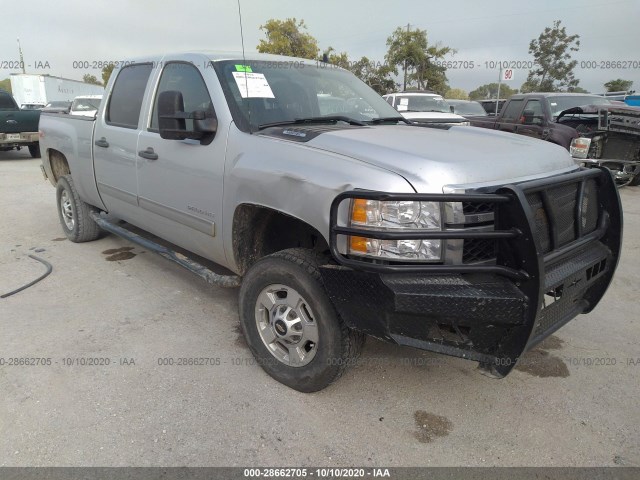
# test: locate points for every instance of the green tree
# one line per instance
(490, 90)
(551, 52)
(457, 94)
(287, 37)
(90, 79)
(577, 90)
(410, 50)
(618, 85)
(106, 73)
(376, 75)
(5, 85)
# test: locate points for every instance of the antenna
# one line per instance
(244, 62)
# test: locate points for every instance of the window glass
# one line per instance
(512, 110)
(186, 79)
(126, 97)
(264, 92)
(536, 107)
(6, 102)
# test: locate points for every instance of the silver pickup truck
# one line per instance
(337, 217)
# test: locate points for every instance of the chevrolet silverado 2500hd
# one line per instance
(463, 241)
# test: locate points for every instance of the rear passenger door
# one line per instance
(180, 181)
(116, 139)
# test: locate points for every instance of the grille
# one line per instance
(475, 208)
(560, 211)
(478, 250)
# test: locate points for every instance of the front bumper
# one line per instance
(546, 274)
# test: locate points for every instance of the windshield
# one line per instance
(558, 104)
(421, 103)
(266, 92)
(468, 108)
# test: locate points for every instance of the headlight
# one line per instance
(580, 147)
(394, 216)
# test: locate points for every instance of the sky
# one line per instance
(62, 37)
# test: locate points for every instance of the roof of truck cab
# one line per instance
(216, 56)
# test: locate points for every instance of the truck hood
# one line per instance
(431, 158)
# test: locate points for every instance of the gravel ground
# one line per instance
(113, 301)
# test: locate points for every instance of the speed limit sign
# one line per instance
(507, 74)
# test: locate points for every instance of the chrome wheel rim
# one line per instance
(286, 325)
(67, 210)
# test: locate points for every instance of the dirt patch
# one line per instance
(551, 343)
(59, 239)
(541, 364)
(111, 251)
(117, 254)
(431, 426)
(240, 340)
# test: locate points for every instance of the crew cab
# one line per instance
(18, 128)
(462, 241)
(592, 127)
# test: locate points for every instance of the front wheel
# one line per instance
(290, 324)
(75, 215)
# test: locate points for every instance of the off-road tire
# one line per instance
(84, 229)
(337, 347)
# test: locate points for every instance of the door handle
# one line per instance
(149, 154)
(102, 143)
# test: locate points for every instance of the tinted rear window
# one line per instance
(6, 102)
(126, 98)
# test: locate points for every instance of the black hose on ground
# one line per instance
(49, 270)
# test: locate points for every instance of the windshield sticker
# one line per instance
(253, 85)
(243, 68)
(404, 101)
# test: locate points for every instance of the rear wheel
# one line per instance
(34, 150)
(75, 215)
(290, 324)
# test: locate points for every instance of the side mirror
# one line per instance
(172, 120)
(527, 117)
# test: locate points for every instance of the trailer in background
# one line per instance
(31, 89)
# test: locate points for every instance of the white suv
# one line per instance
(424, 107)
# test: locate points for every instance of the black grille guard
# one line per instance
(520, 257)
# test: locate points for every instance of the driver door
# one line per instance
(180, 181)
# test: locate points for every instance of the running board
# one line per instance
(227, 281)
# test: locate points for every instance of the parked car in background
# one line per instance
(424, 107)
(594, 129)
(58, 106)
(32, 106)
(18, 128)
(86, 105)
(467, 108)
(490, 105)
